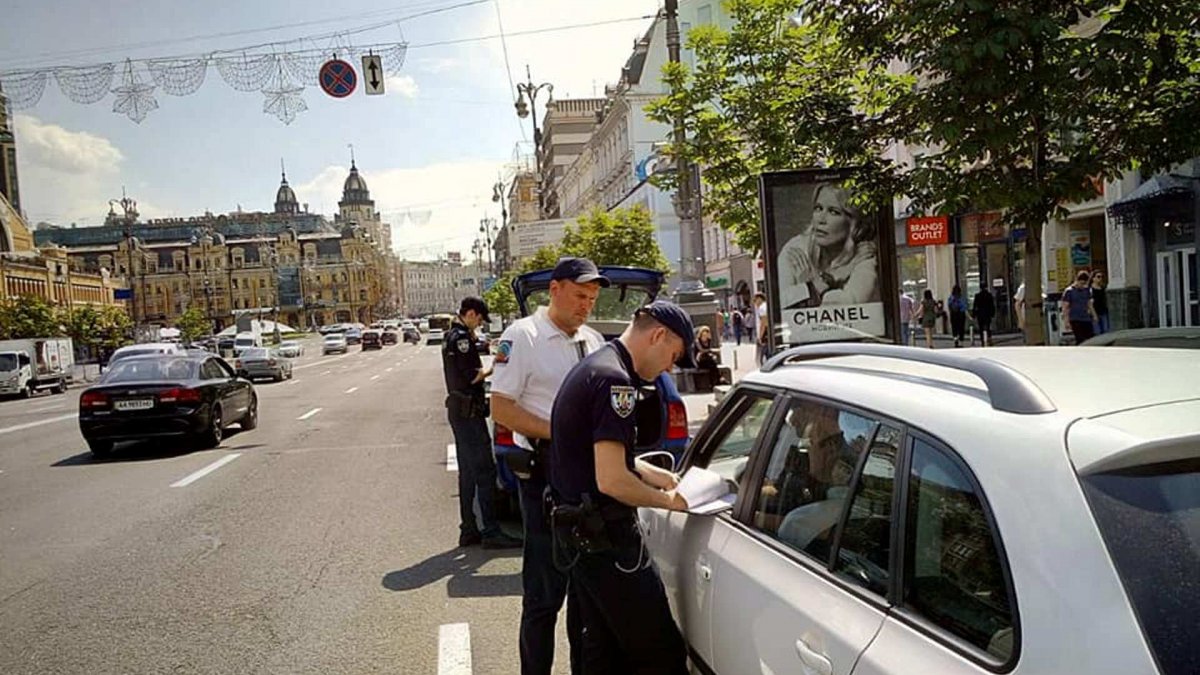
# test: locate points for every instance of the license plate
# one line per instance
(134, 404)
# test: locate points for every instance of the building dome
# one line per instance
(285, 198)
(354, 190)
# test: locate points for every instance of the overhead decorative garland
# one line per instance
(281, 75)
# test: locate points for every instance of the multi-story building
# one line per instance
(438, 286)
(566, 129)
(8, 158)
(289, 264)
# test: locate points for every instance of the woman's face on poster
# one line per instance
(831, 221)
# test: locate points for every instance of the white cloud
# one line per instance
(404, 85)
(455, 194)
(56, 148)
(436, 65)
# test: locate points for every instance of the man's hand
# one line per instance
(678, 503)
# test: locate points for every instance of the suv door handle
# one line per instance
(815, 663)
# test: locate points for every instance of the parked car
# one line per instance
(291, 349)
(434, 337)
(334, 342)
(901, 510)
(259, 362)
(1177, 337)
(353, 336)
(390, 336)
(661, 413)
(372, 339)
(167, 395)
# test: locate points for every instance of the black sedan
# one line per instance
(165, 396)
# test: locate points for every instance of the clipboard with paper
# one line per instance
(705, 492)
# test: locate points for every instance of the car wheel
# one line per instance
(250, 421)
(61, 388)
(28, 391)
(211, 437)
(278, 376)
(100, 449)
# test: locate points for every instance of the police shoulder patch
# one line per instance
(622, 398)
(503, 351)
(464, 345)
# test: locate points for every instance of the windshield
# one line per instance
(1150, 519)
(8, 362)
(150, 370)
(255, 353)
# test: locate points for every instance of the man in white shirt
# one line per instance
(907, 306)
(533, 357)
(760, 326)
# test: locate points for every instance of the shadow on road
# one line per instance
(460, 566)
(144, 451)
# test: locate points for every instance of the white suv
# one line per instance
(1027, 510)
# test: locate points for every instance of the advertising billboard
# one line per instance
(830, 264)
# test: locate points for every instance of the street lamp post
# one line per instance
(528, 90)
(487, 227)
(128, 214)
(499, 192)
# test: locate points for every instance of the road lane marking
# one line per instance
(451, 457)
(454, 649)
(192, 478)
(388, 370)
(374, 377)
(47, 406)
(309, 414)
(326, 372)
(292, 381)
(351, 390)
(30, 425)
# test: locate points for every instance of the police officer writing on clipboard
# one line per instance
(534, 355)
(597, 484)
(466, 409)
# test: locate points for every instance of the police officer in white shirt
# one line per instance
(533, 357)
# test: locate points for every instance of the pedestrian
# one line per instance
(1078, 307)
(907, 308)
(533, 356)
(466, 409)
(1019, 306)
(761, 325)
(706, 353)
(598, 484)
(1100, 303)
(983, 307)
(957, 305)
(727, 333)
(927, 314)
(739, 324)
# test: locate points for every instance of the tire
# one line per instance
(279, 376)
(211, 437)
(100, 449)
(61, 388)
(27, 392)
(250, 420)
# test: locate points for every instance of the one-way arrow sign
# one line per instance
(372, 71)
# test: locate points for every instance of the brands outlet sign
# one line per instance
(931, 231)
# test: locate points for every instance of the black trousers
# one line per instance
(1083, 330)
(958, 325)
(544, 589)
(476, 473)
(627, 624)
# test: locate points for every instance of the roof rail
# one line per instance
(1008, 389)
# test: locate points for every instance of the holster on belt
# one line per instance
(469, 405)
(584, 526)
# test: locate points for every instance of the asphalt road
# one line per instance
(322, 542)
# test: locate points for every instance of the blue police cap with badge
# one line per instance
(579, 270)
(678, 322)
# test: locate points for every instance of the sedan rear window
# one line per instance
(255, 353)
(1150, 519)
(150, 370)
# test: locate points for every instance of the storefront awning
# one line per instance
(1127, 210)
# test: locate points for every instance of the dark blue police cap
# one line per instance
(475, 303)
(579, 270)
(678, 322)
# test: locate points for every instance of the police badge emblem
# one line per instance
(623, 399)
(464, 345)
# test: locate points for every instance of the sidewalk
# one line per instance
(740, 358)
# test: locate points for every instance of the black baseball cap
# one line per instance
(579, 270)
(678, 322)
(477, 304)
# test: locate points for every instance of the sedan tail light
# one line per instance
(93, 399)
(677, 423)
(237, 363)
(180, 395)
(271, 362)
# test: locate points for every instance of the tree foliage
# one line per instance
(619, 237)
(192, 324)
(28, 316)
(1013, 106)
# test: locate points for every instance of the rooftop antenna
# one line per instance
(351, 146)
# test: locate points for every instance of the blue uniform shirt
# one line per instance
(596, 403)
(460, 361)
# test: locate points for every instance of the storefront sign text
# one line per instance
(931, 231)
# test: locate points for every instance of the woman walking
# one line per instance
(957, 305)
(927, 315)
(984, 310)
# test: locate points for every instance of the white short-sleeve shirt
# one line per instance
(533, 358)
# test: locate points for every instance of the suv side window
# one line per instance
(211, 371)
(954, 575)
(807, 478)
(731, 455)
(865, 545)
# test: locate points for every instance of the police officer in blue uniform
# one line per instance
(596, 483)
(467, 411)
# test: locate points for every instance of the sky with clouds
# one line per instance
(433, 144)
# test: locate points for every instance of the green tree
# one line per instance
(28, 316)
(620, 237)
(769, 94)
(82, 325)
(116, 327)
(192, 324)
